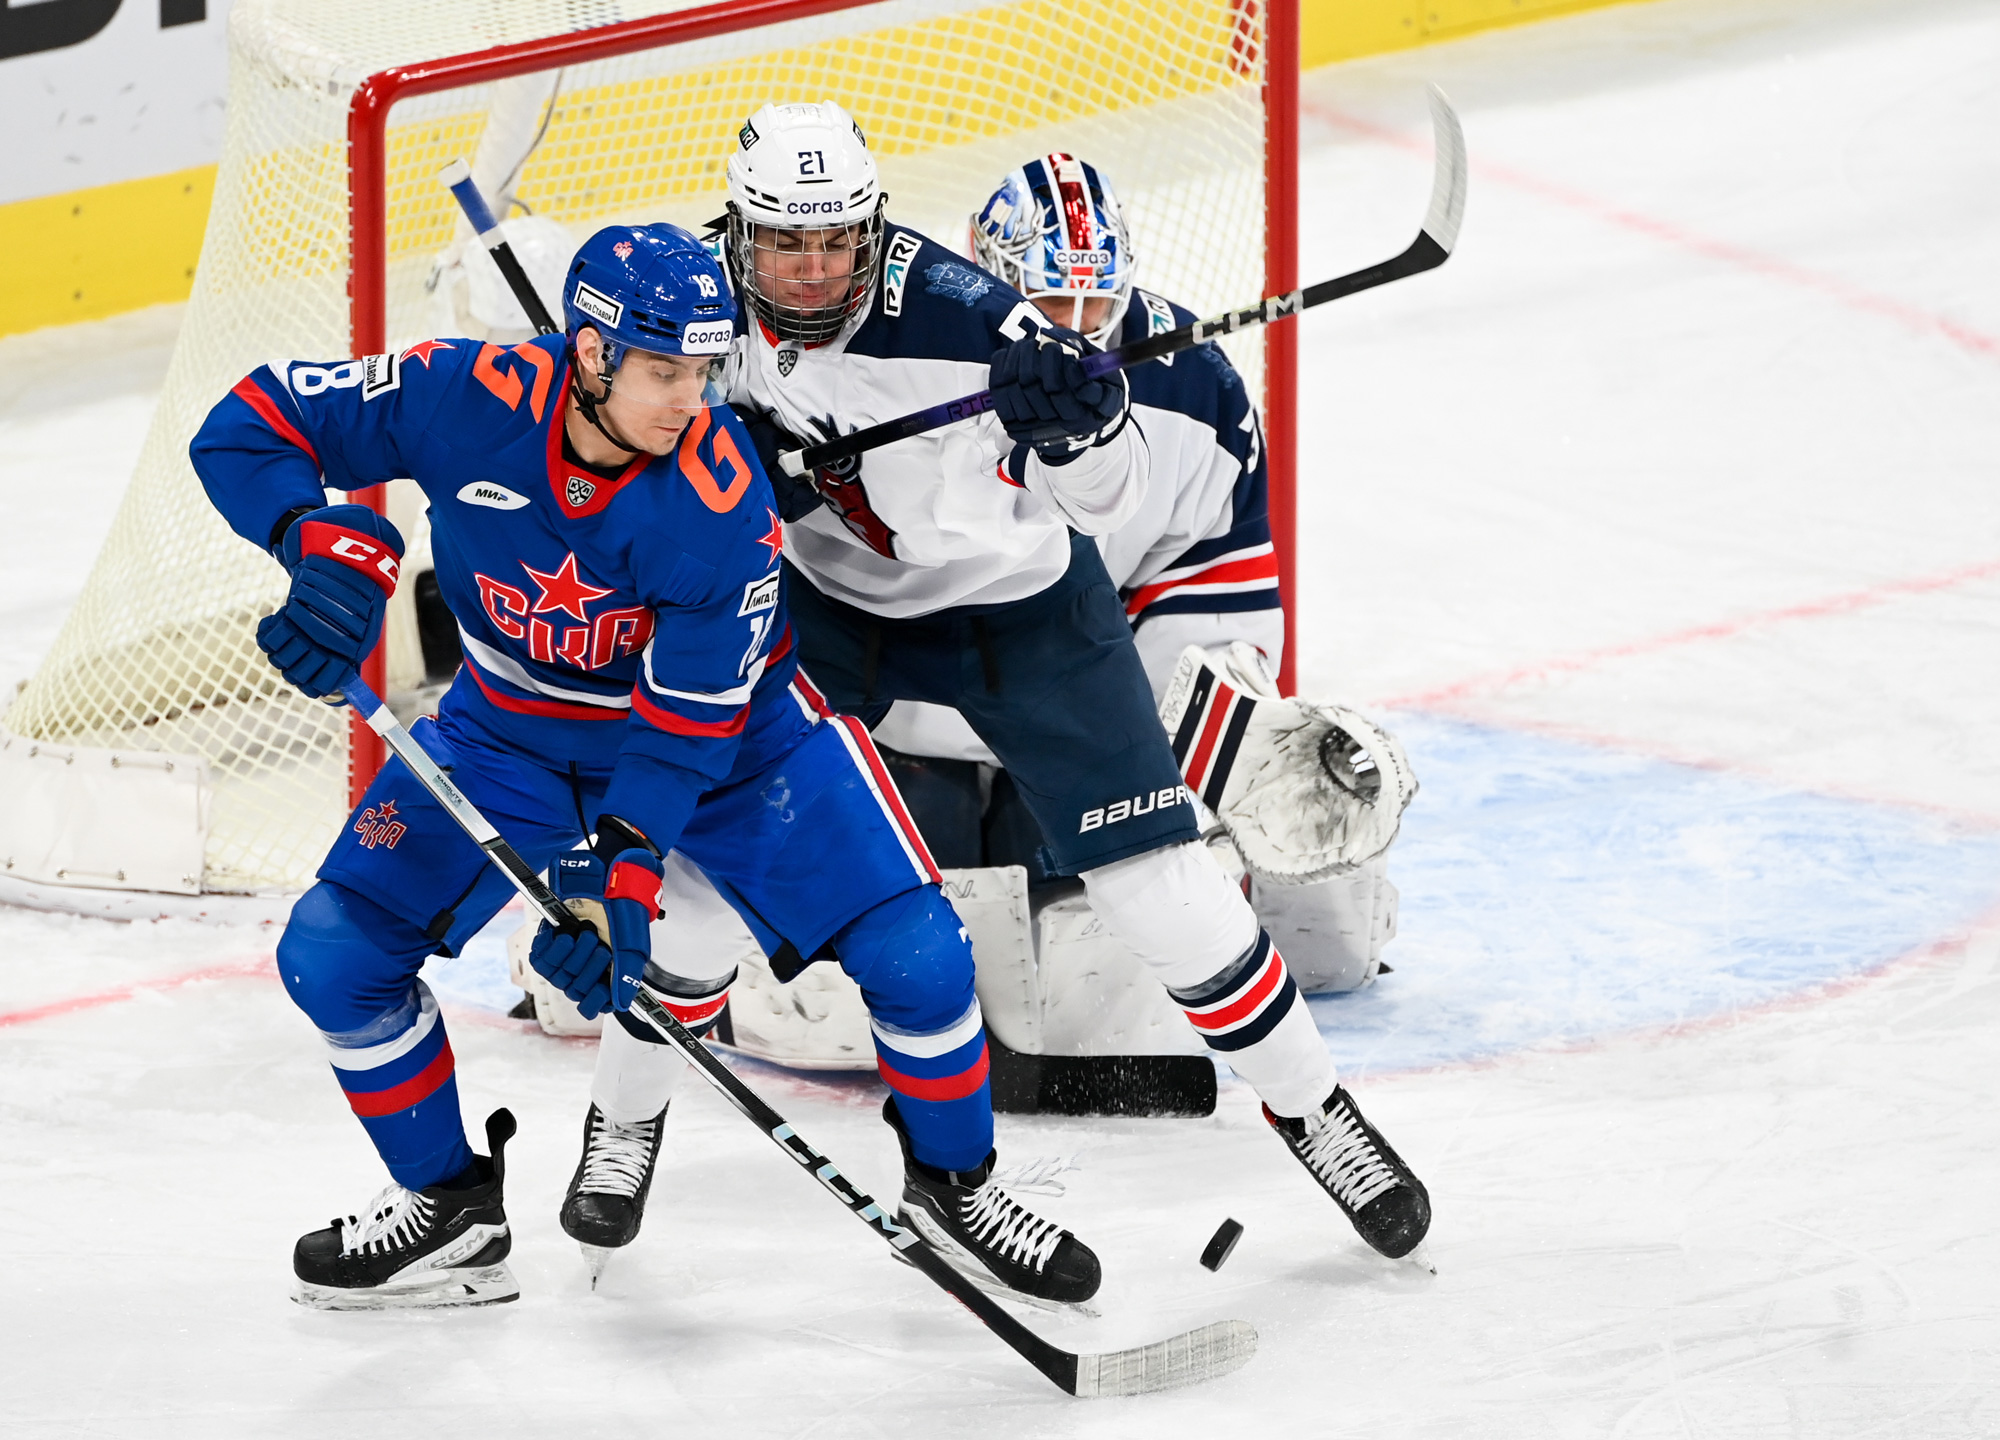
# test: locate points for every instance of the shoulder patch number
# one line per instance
(1022, 319)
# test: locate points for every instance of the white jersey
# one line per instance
(959, 516)
(1195, 563)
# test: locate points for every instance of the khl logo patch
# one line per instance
(788, 359)
(578, 491)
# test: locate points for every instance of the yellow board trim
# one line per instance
(113, 248)
(98, 252)
(1331, 30)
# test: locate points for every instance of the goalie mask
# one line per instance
(1054, 228)
(650, 288)
(805, 219)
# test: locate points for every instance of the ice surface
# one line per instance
(1660, 523)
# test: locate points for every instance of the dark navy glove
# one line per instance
(1044, 399)
(600, 967)
(797, 497)
(344, 563)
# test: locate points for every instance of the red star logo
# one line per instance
(386, 810)
(423, 350)
(776, 539)
(563, 590)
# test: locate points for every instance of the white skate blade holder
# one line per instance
(432, 1290)
(595, 1258)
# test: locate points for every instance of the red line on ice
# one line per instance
(1840, 604)
(1950, 946)
(1853, 296)
(235, 970)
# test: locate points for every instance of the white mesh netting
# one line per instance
(1164, 95)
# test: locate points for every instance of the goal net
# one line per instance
(582, 113)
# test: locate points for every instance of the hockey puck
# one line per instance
(1220, 1244)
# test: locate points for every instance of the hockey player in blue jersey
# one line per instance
(957, 568)
(1195, 566)
(609, 546)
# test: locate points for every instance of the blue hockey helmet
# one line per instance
(650, 287)
(1054, 228)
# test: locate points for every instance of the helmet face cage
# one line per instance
(803, 185)
(1054, 228)
(755, 252)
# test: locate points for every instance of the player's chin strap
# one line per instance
(588, 403)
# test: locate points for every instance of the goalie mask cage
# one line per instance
(328, 222)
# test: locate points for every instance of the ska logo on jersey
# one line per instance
(593, 643)
(378, 826)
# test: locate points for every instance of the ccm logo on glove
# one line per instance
(1164, 799)
(358, 552)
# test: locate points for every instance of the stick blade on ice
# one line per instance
(1447, 210)
(1205, 1354)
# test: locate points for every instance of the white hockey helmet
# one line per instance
(805, 219)
(1054, 228)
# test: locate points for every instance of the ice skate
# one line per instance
(989, 1237)
(415, 1249)
(1368, 1181)
(607, 1194)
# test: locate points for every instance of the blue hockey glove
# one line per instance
(344, 562)
(600, 967)
(1044, 399)
(797, 497)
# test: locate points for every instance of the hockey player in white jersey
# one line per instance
(956, 568)
(1195, 564)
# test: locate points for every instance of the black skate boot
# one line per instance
(607, 1195)
(987, 1236)
(1367, 1180)
(417, 1248)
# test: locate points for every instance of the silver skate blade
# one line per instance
(1421, 1258)
(1205, 1354)
(442, 1290)
(596, 1257)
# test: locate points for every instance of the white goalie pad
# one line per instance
(1305, 791)
(1332, 931)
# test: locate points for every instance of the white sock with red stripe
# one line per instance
(634, 1080)
(1178, 912)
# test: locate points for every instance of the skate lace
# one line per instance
(616, 1160)
(994, 1219)
(394, 1218)
(1339, 1151)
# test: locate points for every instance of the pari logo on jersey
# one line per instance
(593, 643)
(1165, 798)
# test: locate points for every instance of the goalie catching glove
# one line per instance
(343, 560)
(599, 965)
(1305, 791)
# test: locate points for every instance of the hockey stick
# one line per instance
(1430, 249)
(457, 178)
(1196, 1355)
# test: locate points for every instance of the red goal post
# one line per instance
(1266, 38)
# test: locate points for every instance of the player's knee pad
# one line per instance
(1176, 910)
(346, 961)
(912, 960)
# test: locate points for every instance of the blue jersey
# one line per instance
(629, 625)
(1201, 542)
